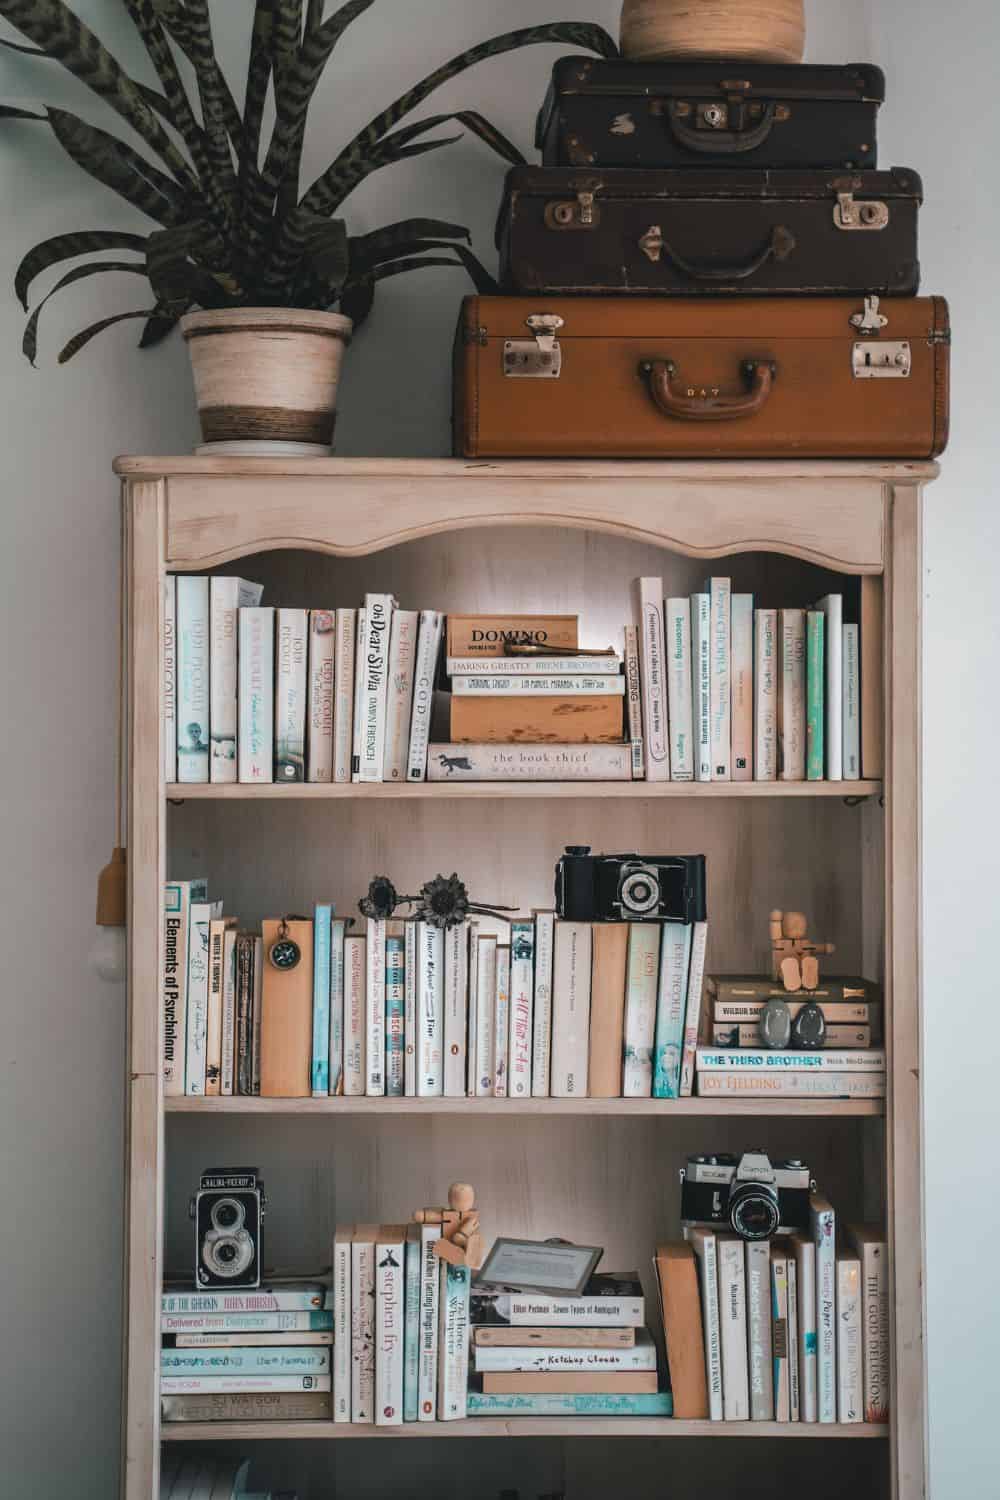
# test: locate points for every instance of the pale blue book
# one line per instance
(556, 1405)
(411, 1325)
(322, 917)
(252, 1360)
(671, 1005)
(338, 929)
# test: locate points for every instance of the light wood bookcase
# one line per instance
(565, 537)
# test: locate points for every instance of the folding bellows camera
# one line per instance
(630, 887)
(228, 1214)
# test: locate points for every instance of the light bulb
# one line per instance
(107, 954)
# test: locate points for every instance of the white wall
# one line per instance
(61, 1099)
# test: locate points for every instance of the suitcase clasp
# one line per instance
(871, 320)
(539, 358)
(581, 212)
(881, 359)
(867, 215)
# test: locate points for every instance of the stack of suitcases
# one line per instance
(707, 264)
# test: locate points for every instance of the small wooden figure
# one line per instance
(460, 1244)
(794, 956)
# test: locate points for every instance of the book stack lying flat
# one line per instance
(246, 1356)
(795, 1329)
(205, 1477)
(565, 1356)
(732, 1059)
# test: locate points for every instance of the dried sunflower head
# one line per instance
(381, 900)
(443, 901)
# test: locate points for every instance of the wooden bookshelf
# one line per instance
(568, 536)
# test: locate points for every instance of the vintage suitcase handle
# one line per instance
(706, 404)
(721, 142)
(778, 247)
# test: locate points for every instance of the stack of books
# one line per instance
(245, 1356)
(401, 1327)
(794, 1329)
(732, 1060)
(542, 1356)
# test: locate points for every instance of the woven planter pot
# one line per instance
(754, 30)
(267, 375)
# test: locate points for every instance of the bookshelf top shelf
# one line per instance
(501, 1427)
(429, 791)
(513, 1109)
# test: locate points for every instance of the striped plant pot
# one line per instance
(267, 374)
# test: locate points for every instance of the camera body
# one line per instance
(630, 887)
(228, 1213)
(749, 1194)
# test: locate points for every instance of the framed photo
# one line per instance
(555, 1268)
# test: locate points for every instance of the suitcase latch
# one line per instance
(867, 215)
(881, 359)
(538, 358)
(580, 212)
(871, 320)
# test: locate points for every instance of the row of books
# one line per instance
(256, 694)
(733, 693)
(794, 1329)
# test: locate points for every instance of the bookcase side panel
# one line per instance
(144, 1124)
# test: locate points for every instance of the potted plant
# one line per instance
(265, 279)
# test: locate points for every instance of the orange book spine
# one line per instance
(286, 1015)
(577, 720)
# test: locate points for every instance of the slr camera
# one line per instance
(750, 1195)
(630, 887)
(228, 1214)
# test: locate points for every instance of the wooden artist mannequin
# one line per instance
(794, 956)
(460, 1244)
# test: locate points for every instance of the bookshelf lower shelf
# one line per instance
(517, 1108)
(518, 1427)
(641, 791)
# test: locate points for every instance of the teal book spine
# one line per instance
(815, 694)
(322, 917)
(671, 1007)
(395, 1028)
(555, 1405)
(411, 1325)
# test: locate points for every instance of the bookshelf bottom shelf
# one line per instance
(508, 1427)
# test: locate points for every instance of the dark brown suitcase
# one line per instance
(667, 233)
(631, 377)
(611, 113)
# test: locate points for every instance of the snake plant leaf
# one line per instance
(211, 96)
(66, 247)
(389, 235)
(19, 47)
(29, 341)
(12, 112)
(52, 26)
(84, 337)
(120, 168)
(416, 263)
(356, 300)
(472, 120)
(156, 328)
(326, 252)
(176, 27)
(179, 279)
(258, 78)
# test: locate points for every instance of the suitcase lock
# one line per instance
(580, 212)
(868, 215)
(538, 358)
(881, 359)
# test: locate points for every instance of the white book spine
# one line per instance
(701, 689)
(851, 710)
(758, 1273)
(501, 1023)
(359, 672)
(850, 1385)
(362, 1331)
(671, 1007)
(766, 1084)
(720, 688)
(342, 1328)
(374, 684)
(170, 678)
(453, 1342)
(290, 677)
(430, 1280)
(641, 983)
(456, 1016)
(733, 1326)
(196, 1040)
(322, 648)
(792, 695)
(680, 688)
(824, 1238)
(338, 929)
(430, 1010)
(486, 990)
(779, 1316)
(395, 1011)
(410, 1028)
(541, 1359)
(501, 685)
(355, 1015)
(228, 1039)
(522, 979)
(399, 700)
(633, 680)
(805, 1285)
(705, 1246)
(255, 746)
(228, 1385)
(390, 1315)
(656, 743)
(692, 1017)
(193, 679)
(499, 762)
(760, 1059)
(833, 658)
(472, 994)
(227, 596)
(541, 1041)
(742, 689)
(531, 666)
(216, 987)
(765, 703)
(428, 647)
(571, 1009)
(794, 1387)
(375, 1007)
(343, 706)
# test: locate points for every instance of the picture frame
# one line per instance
(553, 1268)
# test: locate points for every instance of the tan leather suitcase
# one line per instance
(631, 377)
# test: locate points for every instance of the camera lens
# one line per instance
(639, 892)
(226, 1252)
(228, 1255)
(753, 1210)
(228, 1213)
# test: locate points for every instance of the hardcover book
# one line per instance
(227, 596)
(247, 1360)
(430, 1010)
(218, 929)
(571, 1382)
(567, 719)
(193, 682)
(276, 1298)
(733, 1329)
(765, 712)
(532, 666)
(703, 1243)
(779, 1316)
(425, 669)
(640, 1009)
(738, 987)
(487, 635)
(759, 1319)
(652, 670)
(255, 744)
(541, 1041)
(501, 1022)
(742, 687)
(363, 1243)
(633, 680)
(610, 1299)
(227, 1078)
(850, 1393)
(692, 1015)
(453, 1341)
(701, 691)
(767, 1083)
(373, 701)
(607, 1008)
(869, 1244)
(178, 896)
(791, 695)
(671, 1005)
(680, 689)
(491, 685)
(677, 1277)
(570, 1009)
(488, 762)
(430, 1281)
(286, 1029)
(320, 1075)
(254, 1406)
(641, 1355)
(389, 1325)
(318, 1321)
(291, 627)
(203, 914)
(399, 697)
(322, 648)
(815, 690)
(343, 705)
(764, 1060)
(360, 655)
(747, 1035)
(720, 687)
(552, 1404)
(342, 1322)
(522, 979)
(554, 1338)
(179, 1385)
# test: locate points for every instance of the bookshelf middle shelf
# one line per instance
(511, 1109)
(636, 791)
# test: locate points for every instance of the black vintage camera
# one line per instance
(228, 1214)
(747, 1194)
(630, 887)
